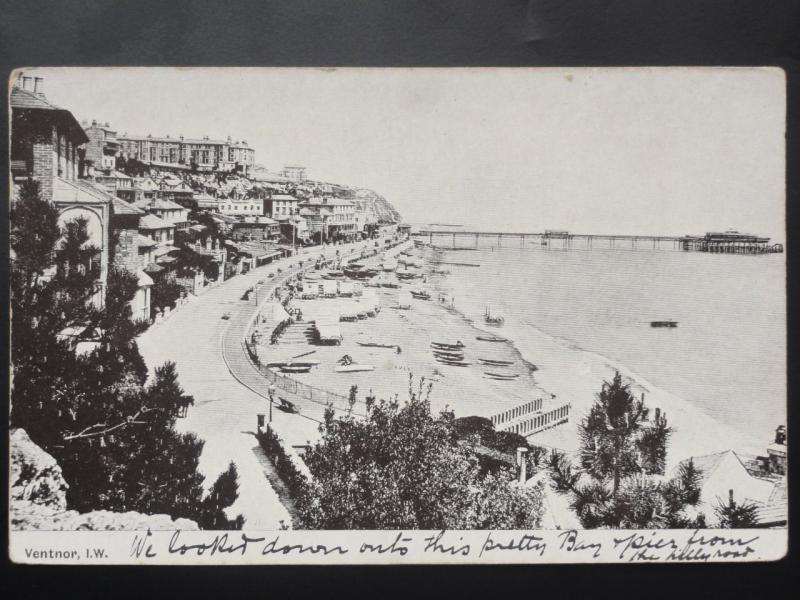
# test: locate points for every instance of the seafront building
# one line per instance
(206, 153)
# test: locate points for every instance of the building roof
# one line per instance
(285, 197)
(150, 221)
(26, 100)
(125, 208)
(166, 205)
(76, 190)
(142, 241)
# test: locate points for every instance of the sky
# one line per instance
(667, 151)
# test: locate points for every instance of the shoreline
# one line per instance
(547, 367)
(570, 371)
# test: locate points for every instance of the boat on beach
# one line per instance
(448, 353)
(501, 375)
(495, 362)
(420, 295)
(453, 363)
(376, 345)
(490, 338)
(295, 368)
(353, 368)
(446, 346)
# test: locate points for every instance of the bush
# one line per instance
(295, 481)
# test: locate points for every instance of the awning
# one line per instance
(153, 268)
(144, 279)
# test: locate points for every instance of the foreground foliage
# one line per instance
(403, 468)
(622, 454)
(113, 436)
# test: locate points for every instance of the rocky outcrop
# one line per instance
(379, 205)
(38, 497)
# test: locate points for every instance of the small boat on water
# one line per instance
(490, 338)
(494, 362)
(667, 323)
(353, 368)
(495, 321)
(420, 295)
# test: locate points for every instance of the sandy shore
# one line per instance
(465, 390)
(564, 372)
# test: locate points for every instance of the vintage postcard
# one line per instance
(397, 315)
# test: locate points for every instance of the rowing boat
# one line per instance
(453, 363)
(353, 368)
(502, 375)
(373, 345)
(498, 363)
(295, 368)
(492, 338)
(443, 346)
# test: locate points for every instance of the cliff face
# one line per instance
(380, 206)
(38, 497)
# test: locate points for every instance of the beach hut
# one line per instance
(349, 310)
(329, 288)
(404, 300)
(329, 333)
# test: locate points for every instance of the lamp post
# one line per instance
(271, 393)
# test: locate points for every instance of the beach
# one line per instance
(554, 370)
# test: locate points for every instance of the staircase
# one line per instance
(301, 332)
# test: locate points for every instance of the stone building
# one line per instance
(102, 148)
(206, 153)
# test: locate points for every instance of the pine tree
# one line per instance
(619, 450)
(731, 515)
(221, 495)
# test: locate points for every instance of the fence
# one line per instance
(287, 384)
(302, 390)
(527, 418)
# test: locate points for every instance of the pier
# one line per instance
(730, 242)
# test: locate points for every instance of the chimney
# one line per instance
(38, 86)
(658, 414)
(522, 454)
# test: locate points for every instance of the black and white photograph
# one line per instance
(379, 315)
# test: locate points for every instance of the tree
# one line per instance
(117, 448)
(222, 495)
(165, 394)
(731, 515)
(164, 293)
(403, 468)
(619, 452)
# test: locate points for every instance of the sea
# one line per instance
(727, 356)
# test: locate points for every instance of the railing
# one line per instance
(527, 422)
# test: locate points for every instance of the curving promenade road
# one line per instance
(229, 392)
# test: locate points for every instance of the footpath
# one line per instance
(229, 392)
